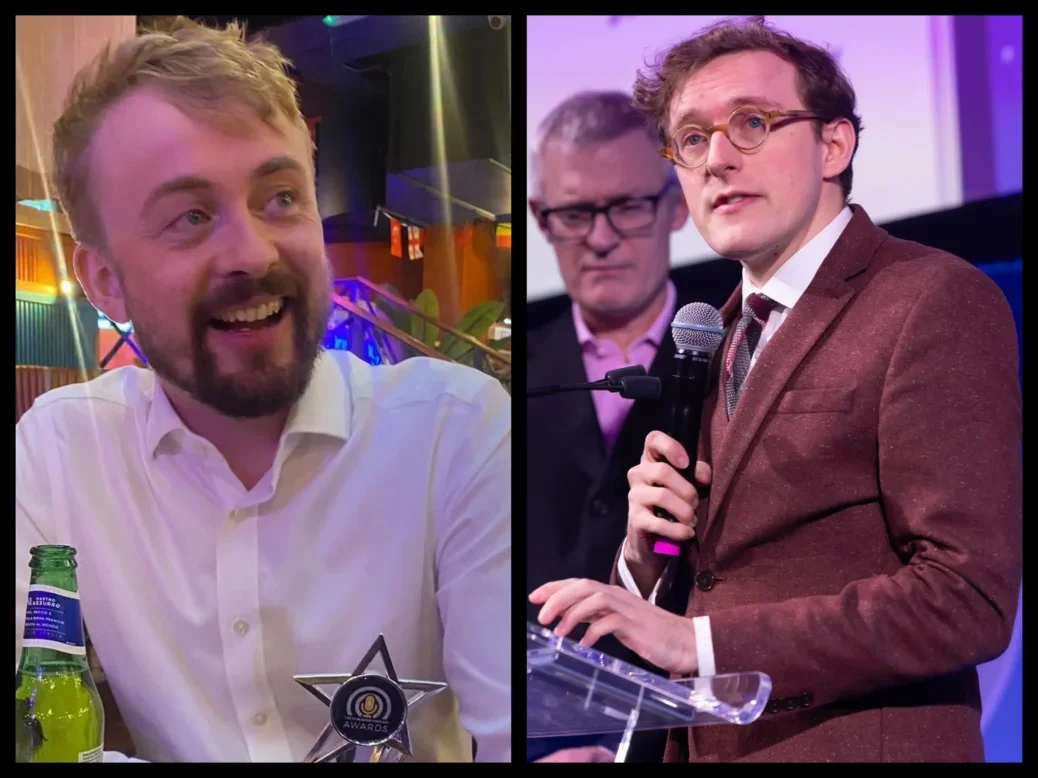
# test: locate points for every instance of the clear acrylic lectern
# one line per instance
(573, 690)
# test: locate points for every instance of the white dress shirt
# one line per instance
(387, 510)
(785, 287)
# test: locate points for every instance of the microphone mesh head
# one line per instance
(697, 326)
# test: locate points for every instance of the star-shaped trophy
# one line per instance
(368, 709)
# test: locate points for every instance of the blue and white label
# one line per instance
(53, 620)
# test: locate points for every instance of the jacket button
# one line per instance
(806, 700)
(774, 706)
(599, 507)
(705, 581)
(791, 703)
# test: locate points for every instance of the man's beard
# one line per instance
(260, 388)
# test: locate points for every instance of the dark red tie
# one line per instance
(747, 334)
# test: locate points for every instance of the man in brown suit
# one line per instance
(860, 540)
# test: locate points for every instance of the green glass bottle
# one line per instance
(58, 712)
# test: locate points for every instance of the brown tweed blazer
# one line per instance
(861, 540)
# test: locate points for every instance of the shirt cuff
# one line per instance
(628, 580)
(704, 646)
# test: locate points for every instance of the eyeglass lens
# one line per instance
(747, 129)
(624, 217)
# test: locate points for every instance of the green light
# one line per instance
(329, 20)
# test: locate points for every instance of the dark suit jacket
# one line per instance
(576, 514)
(861, 542)
(576, 495)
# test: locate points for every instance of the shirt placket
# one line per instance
(241, 630)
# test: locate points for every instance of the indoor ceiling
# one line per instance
(354, 53)
(360, 49)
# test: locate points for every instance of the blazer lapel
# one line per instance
(823, 300)
(575, 423)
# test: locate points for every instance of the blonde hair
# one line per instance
(196, 67)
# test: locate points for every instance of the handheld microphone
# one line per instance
(697, 331)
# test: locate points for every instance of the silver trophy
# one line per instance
(367, 709)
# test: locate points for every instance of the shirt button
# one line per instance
(241, 627)
(259, 719)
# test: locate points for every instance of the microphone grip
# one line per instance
(690, 390)
(663, 546)
(666, 547)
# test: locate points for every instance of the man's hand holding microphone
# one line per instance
(655, 483)
(662, 638)
(661, 518)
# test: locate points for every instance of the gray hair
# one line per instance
(586, 118)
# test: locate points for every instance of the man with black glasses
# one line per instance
(607, 203)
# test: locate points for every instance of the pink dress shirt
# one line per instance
(601, 356)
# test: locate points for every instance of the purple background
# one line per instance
(942, 103)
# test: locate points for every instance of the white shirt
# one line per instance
(785, 287)
(387, 510)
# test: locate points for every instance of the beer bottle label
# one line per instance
(53, 620)
(93, 755)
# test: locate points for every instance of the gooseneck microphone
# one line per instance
(622, 372)
(630, 382)
(697, 331)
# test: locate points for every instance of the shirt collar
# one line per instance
(324, 408)
(792, 279)
(656, 330)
